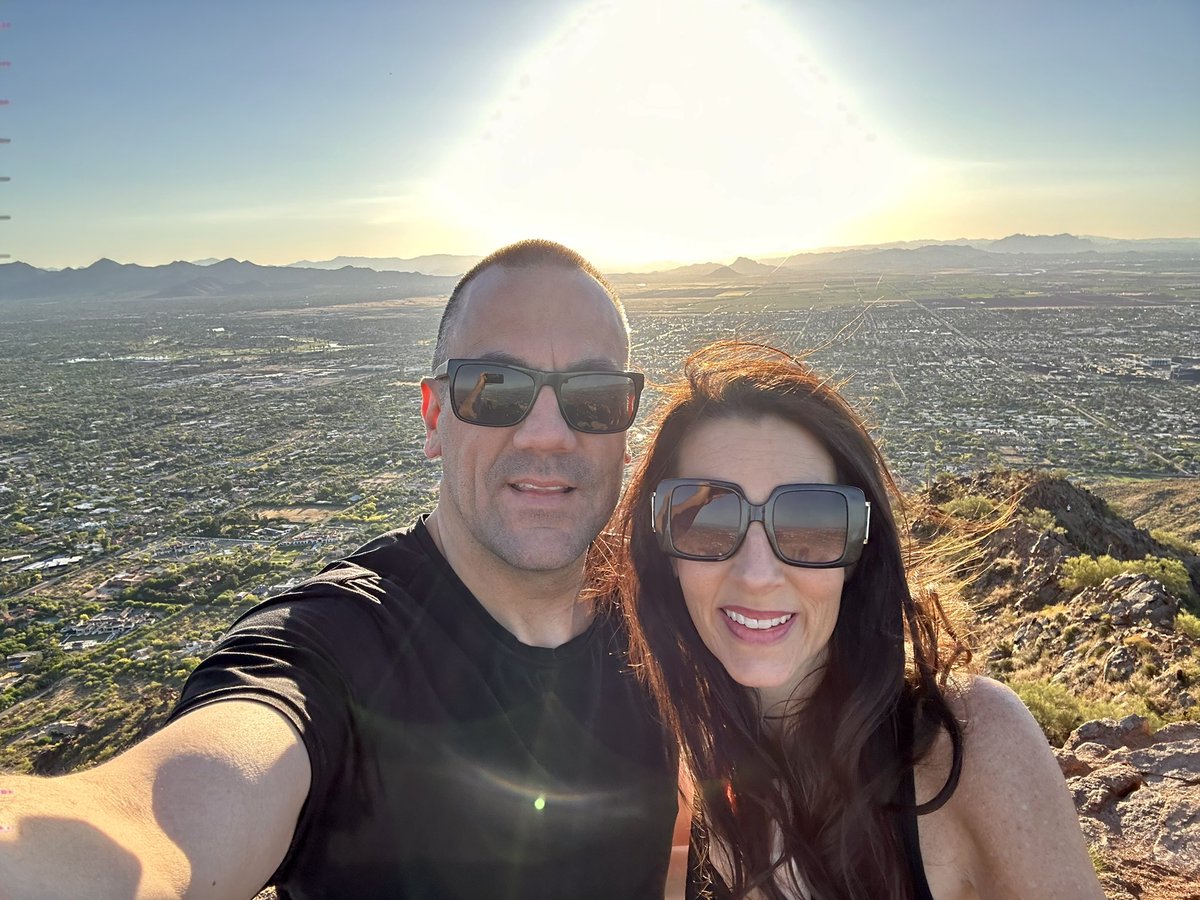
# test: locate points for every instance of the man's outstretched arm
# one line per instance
(204, 808)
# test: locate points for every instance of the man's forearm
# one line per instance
(206, 807)
(58, 838)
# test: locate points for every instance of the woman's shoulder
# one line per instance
(999, 741)
(1011, 802)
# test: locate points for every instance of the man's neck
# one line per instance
(540, 609)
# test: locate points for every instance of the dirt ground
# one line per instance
(1169, 503)
(301, 515)
(1137, 878)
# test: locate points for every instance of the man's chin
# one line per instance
(542, 549)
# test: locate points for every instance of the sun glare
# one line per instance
(681, 129)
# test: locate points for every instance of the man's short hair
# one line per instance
(522, 255)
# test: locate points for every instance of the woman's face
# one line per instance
(758, 454)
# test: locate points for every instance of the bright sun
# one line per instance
(684, 129)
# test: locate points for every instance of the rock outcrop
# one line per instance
(1117, 647)
(1138, 797)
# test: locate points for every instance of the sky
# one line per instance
(637, 131)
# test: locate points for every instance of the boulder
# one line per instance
(1098, 791)
(1139, 599)
(1138, 798)
(1131, 731)
(1120, 663)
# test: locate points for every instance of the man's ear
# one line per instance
(431, 414)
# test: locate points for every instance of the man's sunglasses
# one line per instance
(499, 394)
(818, 526)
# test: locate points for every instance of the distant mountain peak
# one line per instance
(1041, 243)
(744, 265)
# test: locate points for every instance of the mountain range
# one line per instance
(435, 264)
(229, 278)
(362, 278)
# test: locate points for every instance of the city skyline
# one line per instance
(638, 132)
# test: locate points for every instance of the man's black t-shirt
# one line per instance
(449, 760)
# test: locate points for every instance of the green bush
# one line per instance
(1139, 643)
(1170, 572)
(1187, 624)
(972, 506)
(1055, 708)
(1059, 712)
(1174, 542)
(1042, 520)
(1084, 571)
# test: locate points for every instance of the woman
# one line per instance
(770, 614)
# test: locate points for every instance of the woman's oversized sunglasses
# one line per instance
(499, 394)
(818, 526)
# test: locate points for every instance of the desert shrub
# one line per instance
(1042, 520)
(1188, 625)
(1006, 566)
(1059, 712)
(1055, 708)
(1187, 671)
(1174, 542)
(1139, 643)
(1079, 572)
(974, 507)
(1170, 572)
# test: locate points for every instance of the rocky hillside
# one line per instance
(1092, 619)
(1075, 604)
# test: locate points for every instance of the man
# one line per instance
(440, 715)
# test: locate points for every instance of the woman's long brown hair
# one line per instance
(815, 794)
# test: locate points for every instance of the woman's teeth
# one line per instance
(756, 623)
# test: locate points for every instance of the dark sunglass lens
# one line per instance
(599, 402)
(705, 520)
(491, 394)
(810, 526)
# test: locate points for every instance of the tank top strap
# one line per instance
(910, 838)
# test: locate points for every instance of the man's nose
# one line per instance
(544, 428)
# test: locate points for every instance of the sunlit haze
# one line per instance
(639, 131)
(710, 128)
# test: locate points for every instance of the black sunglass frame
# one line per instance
(858, 519)
(449, 369)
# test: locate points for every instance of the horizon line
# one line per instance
(621, 267)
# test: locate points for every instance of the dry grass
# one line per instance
(300, 515)
(1172, 504)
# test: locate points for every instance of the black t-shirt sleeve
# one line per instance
(285, 654)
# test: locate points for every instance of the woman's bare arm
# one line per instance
(1017, 832)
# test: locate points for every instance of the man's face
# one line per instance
(534, 494)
